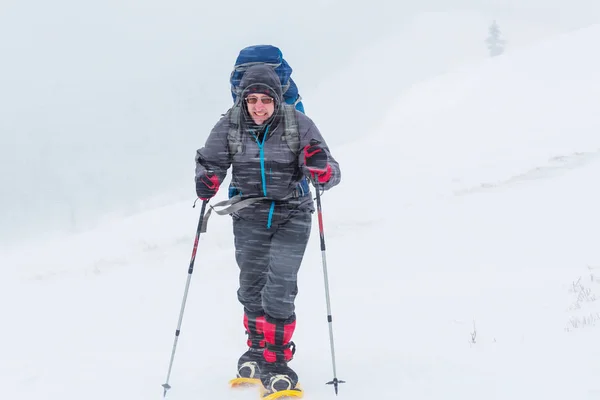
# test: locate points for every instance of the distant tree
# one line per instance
(494, 43)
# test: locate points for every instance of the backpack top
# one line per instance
(272, 56)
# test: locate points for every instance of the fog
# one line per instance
(103, 105)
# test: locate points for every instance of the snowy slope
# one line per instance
(472, 212)
(412, 52)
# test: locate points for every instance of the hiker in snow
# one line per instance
(271, 234)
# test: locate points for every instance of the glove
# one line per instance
(315, 160)
(207, 185)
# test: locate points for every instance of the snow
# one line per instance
(461, 252)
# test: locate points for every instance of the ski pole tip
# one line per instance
(335, 383)
(167, 387)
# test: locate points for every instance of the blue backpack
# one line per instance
(270, 55)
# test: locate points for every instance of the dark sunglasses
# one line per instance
(254, 99)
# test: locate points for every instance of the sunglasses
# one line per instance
(254, 99)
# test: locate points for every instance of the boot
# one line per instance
(249, 364)
(276, 375)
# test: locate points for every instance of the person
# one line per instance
(271, 233)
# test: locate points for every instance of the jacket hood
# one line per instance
(261, 75)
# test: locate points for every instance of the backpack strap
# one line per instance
(234, 136)
(231, 205)
(291, 135)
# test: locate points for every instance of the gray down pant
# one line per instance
(269, 260)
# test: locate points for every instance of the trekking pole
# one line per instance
(335, 380)
(185, 293)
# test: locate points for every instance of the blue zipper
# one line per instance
(270, 215)
(263, 173)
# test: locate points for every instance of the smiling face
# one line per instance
(260, 107)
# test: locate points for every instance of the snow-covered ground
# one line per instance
(461, 246)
